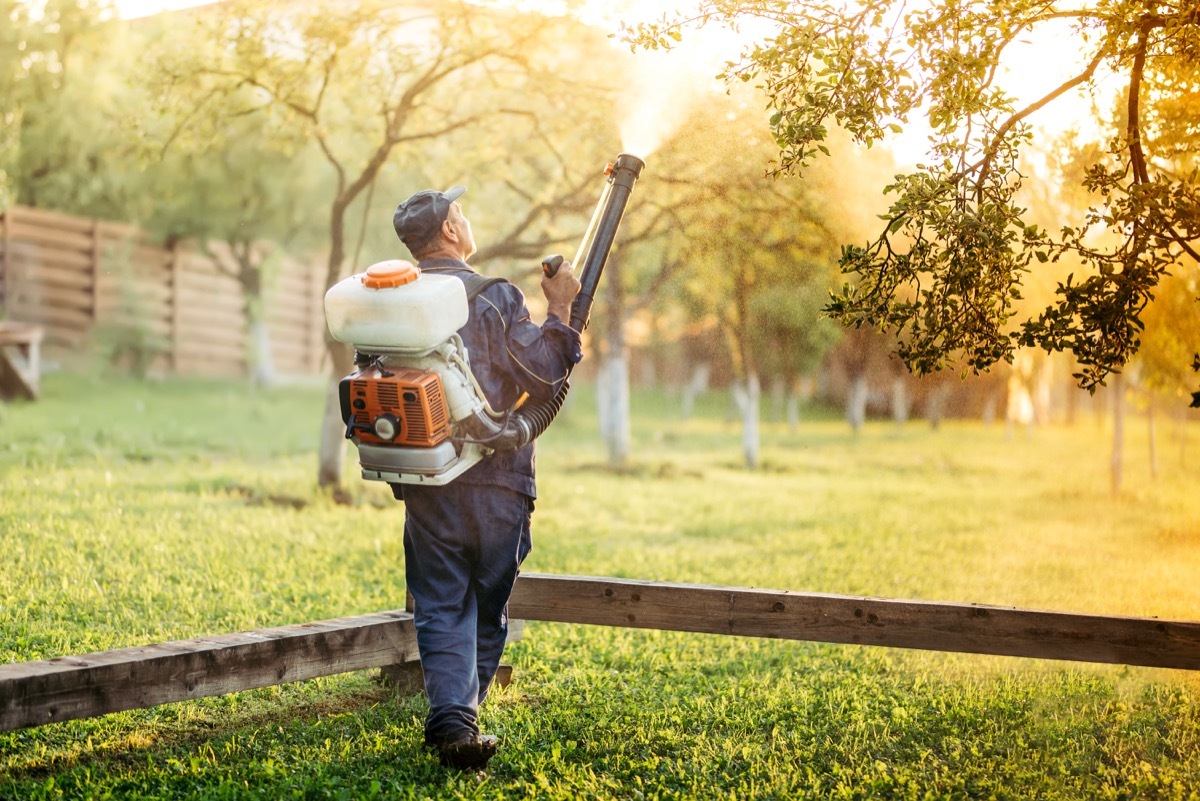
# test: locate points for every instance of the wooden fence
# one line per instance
(80, 279)
(64, 688)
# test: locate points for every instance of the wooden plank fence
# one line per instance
(79, 278)
(34, 693)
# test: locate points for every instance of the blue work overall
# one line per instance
(464, 542)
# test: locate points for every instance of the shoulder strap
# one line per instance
(476, 283)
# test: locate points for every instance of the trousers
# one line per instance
(463, 548)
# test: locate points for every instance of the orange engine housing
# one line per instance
(412, 398)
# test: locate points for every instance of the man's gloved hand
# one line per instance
(560, 290)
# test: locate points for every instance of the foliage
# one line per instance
(947, 269)
(66, 143)
(164, 511)
(749, 255)
(1172, 335)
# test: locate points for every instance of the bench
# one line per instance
(20, 347)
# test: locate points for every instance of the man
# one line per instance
(464, 542)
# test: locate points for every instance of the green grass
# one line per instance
(136, 513)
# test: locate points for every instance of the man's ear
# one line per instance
(448, 231)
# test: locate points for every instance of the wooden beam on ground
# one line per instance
(66, 688)
(928, 625)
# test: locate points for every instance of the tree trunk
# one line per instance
(900, 401)
(747, 394)
(332, 453)
(612, 395)
(1182, 437)
(989, 408)
(935, 406)
(1153, 445)
(613, 384)
(1118, 442)
(779, 389)
(856, 403)
(264, 360)
(793, 405)
(697, 384)
(1041, 395)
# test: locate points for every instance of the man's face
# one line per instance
(462, 228)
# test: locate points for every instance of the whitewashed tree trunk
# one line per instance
(1043, 381)
(612, 394)
(1182, 420)
(989, 409)
(900, 400)
(264, 359)
(1153, 445)
(856, 403)
(332, 455)
(747, 395)
(779, 391)
(935, 408)
(793, 405)
(697, 384)
(1118, 445)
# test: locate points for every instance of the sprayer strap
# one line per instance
(476, 283)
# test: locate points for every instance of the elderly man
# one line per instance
(464, 542)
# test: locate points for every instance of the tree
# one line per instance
(754, 252)
(947, 267)
(243, 187)
(363, 83)
(63, 101)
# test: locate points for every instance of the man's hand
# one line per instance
(560, 291)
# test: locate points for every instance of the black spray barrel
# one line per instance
(529, 423)
(602, 231)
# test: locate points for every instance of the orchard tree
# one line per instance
(365, 84)
(946, 269)
(64, 104)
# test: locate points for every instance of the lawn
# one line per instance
(133, 513)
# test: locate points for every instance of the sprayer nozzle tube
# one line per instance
(627, 161)
(601, 232)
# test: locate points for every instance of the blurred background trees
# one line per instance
(265, 130)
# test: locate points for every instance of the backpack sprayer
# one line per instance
(413, 408)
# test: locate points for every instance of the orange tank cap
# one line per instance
(395, 272)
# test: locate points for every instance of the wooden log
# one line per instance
(203, 300)
(37, 256)
(50, 273)
(927, 625)
(20, 231)
(51, 219)
(408, 678)
(55, 318)
(215, 324)
(66, 688)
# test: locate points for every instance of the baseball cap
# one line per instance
(418, 219)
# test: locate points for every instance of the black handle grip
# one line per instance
(550, 265)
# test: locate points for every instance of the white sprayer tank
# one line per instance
(395, 308)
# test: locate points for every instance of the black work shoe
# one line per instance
(469, 753)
